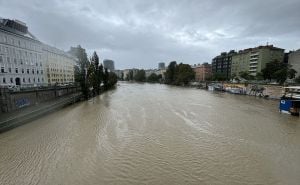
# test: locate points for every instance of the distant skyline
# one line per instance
(142, 33)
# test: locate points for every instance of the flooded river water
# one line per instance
(156, 134)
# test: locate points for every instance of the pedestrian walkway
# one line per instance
(22, 116)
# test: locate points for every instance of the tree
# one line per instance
(183, 74)
(246, 75)
(140, 76)
(112, 79)
(96, 75)
(105, 79)
(278, 71)
(170, 73)
(81, 68)
(291, 73)
(154, 78)
(219, 77)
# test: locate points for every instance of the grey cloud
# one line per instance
(141, 33)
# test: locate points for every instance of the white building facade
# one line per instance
(20, 56)
(26, 62)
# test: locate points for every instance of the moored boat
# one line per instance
(290, 101)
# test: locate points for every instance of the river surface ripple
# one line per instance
(156, 134)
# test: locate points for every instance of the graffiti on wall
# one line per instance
(23, 102)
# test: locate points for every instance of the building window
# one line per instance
(15, 60)
(4, 80)
(23, 80)
(42, 71)
(32, 71)
(37, 71)
(11, 80)
(33, 79)
(21, 61)
(17, 70)
(2, 69)
(9, 70)
(38, 80)
(1, 59)
(22, 71)
(29, 80)
(27, 71)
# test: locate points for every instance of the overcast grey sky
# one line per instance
(141, 33)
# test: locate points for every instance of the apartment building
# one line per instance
(294, 60)
(222, 64)
(255, 59)
(20, 55)
(202, 72)
(59, 65)
(27, 62)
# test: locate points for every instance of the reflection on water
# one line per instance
(156, 134)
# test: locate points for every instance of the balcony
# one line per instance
(254, 54)
(254, 59)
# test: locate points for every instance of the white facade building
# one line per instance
(20, 56)
(26, 62)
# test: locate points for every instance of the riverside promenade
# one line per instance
(22, 116)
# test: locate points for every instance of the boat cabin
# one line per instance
(290, 101)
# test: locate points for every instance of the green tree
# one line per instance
(81, 68)
(291, 73)
(112, 79)
(105, 79)
(278, 71)
(154, 78)
(95, 77)
(140, 76)
(183, 74)
(219, 77)
(246, 75)
(170, 73)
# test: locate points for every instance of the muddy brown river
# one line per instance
(156, 134)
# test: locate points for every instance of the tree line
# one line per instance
(179, 74)
(90, 73)
(139, 75)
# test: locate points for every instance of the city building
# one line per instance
(20, 55)
(109, 64)
(202, 72)
(119, 74)
(253, 60)
(27, 62)
(222, 64)
(161, 66)
(294, 60)
(59, 65)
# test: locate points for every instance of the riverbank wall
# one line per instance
(17, 118)
(15, 100)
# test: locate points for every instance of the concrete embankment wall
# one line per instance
(20, 118)
(12, 101)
